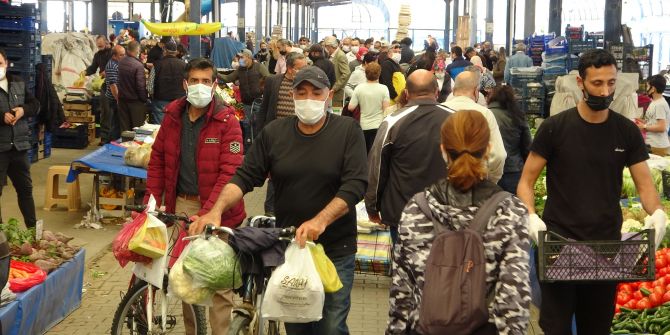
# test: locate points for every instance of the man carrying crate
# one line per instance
(585, 150)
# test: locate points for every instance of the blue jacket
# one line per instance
(457, 66)
(519, 59)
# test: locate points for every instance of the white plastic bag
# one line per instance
(295, 292)
(182, 286)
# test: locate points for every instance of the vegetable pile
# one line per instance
(48, 253)
(644, 307)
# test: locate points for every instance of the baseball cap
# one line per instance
(171, 46)
(314, 75)
(385, 44)
(245, 52)
(166, 39)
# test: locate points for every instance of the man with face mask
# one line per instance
(196, 152)
(352, 55)
(585, 150)
(16, 105)
(318, 165)
(280, 49)
(262, 54)
(390, 67)
(341, 65)
(250, 76)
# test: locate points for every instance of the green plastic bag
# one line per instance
(326, 269)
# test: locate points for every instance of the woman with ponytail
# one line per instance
(452, 203)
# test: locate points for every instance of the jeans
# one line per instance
(158, 110)
(110, 122)
(15, 165)
(335, 308)
(509, 181)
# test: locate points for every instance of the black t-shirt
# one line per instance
(308, 171)
(585, 164)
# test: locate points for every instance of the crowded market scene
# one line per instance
(334, 167)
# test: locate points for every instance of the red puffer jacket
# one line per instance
(219, 153)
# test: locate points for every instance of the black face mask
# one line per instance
(598, 103)
(283, 53)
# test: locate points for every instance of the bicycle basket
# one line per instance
(564, 260)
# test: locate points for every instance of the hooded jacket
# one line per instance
(219, 153)
(506, 246)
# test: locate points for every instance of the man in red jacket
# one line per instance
(196, 152)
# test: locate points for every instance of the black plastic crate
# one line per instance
(564, 260)
(70, 138)
(19, 38)
(578, 47)
(533, 106)
(534, 90)
(23, 54)
(8, 11)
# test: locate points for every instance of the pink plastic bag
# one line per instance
(120, 244)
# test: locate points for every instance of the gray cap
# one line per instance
(314, 75)
(245, 52)
(171, 46)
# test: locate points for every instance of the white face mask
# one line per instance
(199, 95)
(3, 73)
(396, 57)
(355, 49)
(439, 75)
(235, 65)
(309, 111)
(346, 48)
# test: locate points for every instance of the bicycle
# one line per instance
(246, 317)
(137, 311)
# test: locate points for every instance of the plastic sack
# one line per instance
(326, 269)
(294, 292)
(138, 156)
(120, 244)
(182, 286)
(23, 276)
(149, 240)
(213, 264)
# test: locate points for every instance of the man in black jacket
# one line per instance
(407, 54)
(16, 105)
(278, 103)
(100, 60)
(251, 76)
(168, 75)
(405, 157)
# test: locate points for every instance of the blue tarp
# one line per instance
(224, 50)
(109, 158)
(43, 306)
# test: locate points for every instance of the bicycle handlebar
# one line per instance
(163, 216)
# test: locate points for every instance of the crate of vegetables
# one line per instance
(565, 260)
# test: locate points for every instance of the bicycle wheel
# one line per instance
(131, 315)
(241, 324)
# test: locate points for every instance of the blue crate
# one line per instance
(24, 53)
(21, 24)
(534, 91)
(19, 38)
(9, 11)
(29, 77)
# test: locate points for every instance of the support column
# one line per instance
(99, 19)
(216, 15)
(288, 20)
(296, 22)
(315, 26)
(42, 4)
(511, 22)
(70, 6)
(447, 16)
(259, 24)
(241, 22)
(153, 10)
(555, 11)
(163, 8)
(473, 22)
(303, 20)
(529, 19)
(194, 48)
(613, 20)
(268, 18)
(280, 18)
(455, 21)
(489, 20)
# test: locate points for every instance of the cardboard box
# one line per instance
(77, 107)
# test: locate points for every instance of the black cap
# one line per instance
(171, 46)
(166, 39)
(314, 75)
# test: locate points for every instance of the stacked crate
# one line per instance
(20, 39)
(577, 44)
(529, 88)
(536, 46)
(81, 113)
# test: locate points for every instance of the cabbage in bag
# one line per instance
(183, 287)
(213, 264)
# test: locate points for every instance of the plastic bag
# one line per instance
(294, 292)
(149, 240)
(326, 269)
(23, 276)
(182, 286)
(213, 264)
(120, 244)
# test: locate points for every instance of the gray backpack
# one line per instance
(455, 298)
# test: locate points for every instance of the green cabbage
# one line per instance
(213, 264)
(182, 286)
(628, 189)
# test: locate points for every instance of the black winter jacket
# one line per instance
(168, 82)
(516, 138)
(389, 67)
(18, 135)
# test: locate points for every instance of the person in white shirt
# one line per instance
(358, 75)
(373, 98)
(466, 89)
(656, 120)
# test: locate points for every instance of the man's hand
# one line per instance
(374, 217)
(535, 224)
(199, 222)
(9, 118)
(309, 230)
(18, 114)
(657, 221)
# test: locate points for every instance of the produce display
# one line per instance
(644, 307)
(47, 253)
